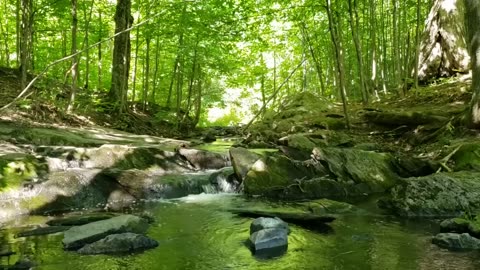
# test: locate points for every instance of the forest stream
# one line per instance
(199, 231)
(196, 232)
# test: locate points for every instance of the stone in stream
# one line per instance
(262, 223)
(43, 231)
(119, 243)
(204, 160)
(456, 241)
(79, 236)
(268, 243)
(77, 220)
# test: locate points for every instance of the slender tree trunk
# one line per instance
(18, 31)
(417, 45)
(198, 103)
(121, 54)
(74, 59)
(175, 69)
(373, 48)
(85, 43)
(135, 66)
(179, 89)
(155, 73)
(396, 49)
(25, 41)
(352, 10)
(335, 33)
(99, 64)
(192, 79)
(146, 75)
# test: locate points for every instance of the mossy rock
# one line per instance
(374, 172)
(274, 173)
(436, 195)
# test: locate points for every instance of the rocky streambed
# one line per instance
(201, 204)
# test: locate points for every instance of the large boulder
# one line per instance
(371, 170)
(462, 225)
(204, 160)
(456, 241)
(330, 207)
(274, 173)
(79, 236)
(436, 195)
(242, 161)
(119, 243)
(269, 243)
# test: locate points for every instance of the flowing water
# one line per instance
(196, 232)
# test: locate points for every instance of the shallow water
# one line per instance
(195, 232)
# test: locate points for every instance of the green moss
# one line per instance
(34, 203)
(467, 157)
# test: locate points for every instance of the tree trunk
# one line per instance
(121, 54)
(175, 68)
(135, 67)
(352, 10)
(472, 18)
(99, 64)
(74, 59)
(417, 46)
(155, 73)
(335, 33)
(443, 50)
(25, 41)
(146, 75)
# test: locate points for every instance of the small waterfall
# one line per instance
(222, 181)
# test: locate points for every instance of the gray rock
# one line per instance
(204, 160)
(119, 243)
(242, 161)
(436, 195)
(458, 225)
(269, 243)
(79, 236)
(262, 223)
(456, 241)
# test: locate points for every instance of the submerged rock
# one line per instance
(79, 236)
(43, 231)
(330, 207)
(456, 241)
(298, 217)
(119, 243)
(269, 243)
(436, 195)
(76, 220)
(262, 223)
(462, 225)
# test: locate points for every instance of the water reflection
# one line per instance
(196, 232)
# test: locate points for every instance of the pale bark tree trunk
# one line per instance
(472, 18)
(75, 58)
(397, 59)
(198, 103)
(443, 50)
(18, 26)
(26, 40)
(335, 33)
(175, 69)
(121, 54)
